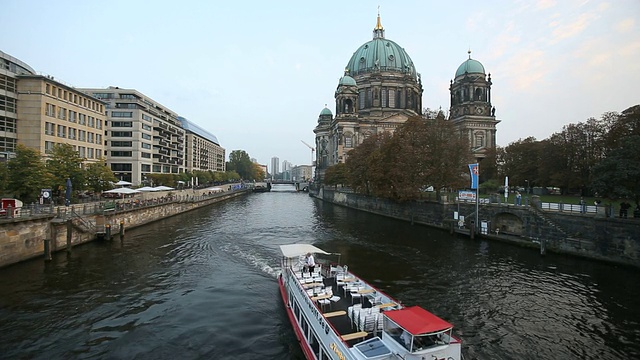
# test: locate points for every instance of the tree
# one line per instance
(240, 162)
(521, 161)
(258, 173)
(65, 163)
(27, 174)
(618, 176)
(4, 177)
(336, 174)
(98, 176)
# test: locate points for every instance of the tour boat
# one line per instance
(337, 315)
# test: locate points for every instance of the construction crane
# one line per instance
(312, 150)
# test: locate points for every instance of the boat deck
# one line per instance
(340, 313)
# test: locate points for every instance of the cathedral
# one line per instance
(381, 89)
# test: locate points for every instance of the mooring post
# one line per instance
(69, 235)
(47, 249)
(121, 229)
(107, 231)
(543, 246)
(472, 232)
(452, 225)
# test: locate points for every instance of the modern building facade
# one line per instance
(142, 136)
(202, 149)
(10, 68)
(302, 173)
(50, 113)
(381, 89)
(275, 167)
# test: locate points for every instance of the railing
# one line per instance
(572, 208)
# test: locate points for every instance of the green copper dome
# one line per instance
(470, 66)
(326, 111)
(347, 80)
(380, 54)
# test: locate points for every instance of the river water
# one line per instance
(202, 285)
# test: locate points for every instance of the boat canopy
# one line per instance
(297, 250)
(417, 320)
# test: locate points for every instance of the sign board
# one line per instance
(467, 195)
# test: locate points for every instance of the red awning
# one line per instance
(417, 320)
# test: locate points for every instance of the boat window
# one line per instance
(397, 333)
(425, 341)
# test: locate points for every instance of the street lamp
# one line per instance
(526, 199)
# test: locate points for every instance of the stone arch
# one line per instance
(507, 224)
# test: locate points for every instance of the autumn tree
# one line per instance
(336, 174)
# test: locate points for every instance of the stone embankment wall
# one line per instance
(593, 236)
(24, 238)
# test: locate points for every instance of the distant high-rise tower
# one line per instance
(275, 166)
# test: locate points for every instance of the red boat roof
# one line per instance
(417, 320)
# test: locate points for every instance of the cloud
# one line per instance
(545, 4)
(625, 25)
(505, 41)
(527, 69)
(571, 29)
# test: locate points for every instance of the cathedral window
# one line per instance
(392, 98)
(384, 97)
(479, 140)
(361, 99)
(348, 141)
(479, 94)
(369, 98)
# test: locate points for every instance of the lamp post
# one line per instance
(526, 199)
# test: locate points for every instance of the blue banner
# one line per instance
(474, 170)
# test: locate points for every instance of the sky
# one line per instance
(256, 74)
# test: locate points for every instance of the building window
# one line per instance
(82, 135)
(479, 140)
(121, 153)
(146, 118)
(348, 141)
(49, 128)
(50, 110)
(62, 113)
(72, 133)
(91, 121)
(121, 133)
(7, 104)
(384, 97)
(122, 114)
(62, 131)
(48, 146)
(392, 98)
(146, 136)
(121, 143)
(120, 167)
(82, 151)
(146, 146)
(145, 155)
(121, 124)
(90, 137)
(146, 127)
(72, 116)
(90, 154)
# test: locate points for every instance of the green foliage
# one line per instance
(421, 152)
(618, 176)
(27, 174)
(336, 174)
(4, 177)
(65, 163)
(240, 162)
(99, 177)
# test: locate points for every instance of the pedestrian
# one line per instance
(582, 205)
(518, 198)
(310, 263)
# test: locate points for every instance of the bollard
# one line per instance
(472, 232)
(69, 235)
(47, 250)
(452, 227)
(107, 231)
(121, 229)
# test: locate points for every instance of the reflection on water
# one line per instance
(203, 285)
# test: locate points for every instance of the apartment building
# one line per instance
(141, 135)
(202, 151)
(301, 173)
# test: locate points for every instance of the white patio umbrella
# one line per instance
(123, 183)
(147, 189)
(163, 188)
(214, 189)
(123, 190)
